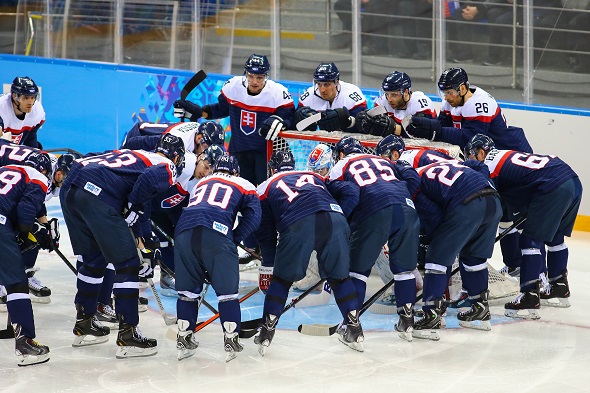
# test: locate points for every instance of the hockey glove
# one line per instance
(271, 127)
(264, 277)
(53, 227)
(379, 125)
(421, 127)
(303, 113)
(184, 108)
(41, 233)
(132, 213)
(26, 241)
(336, 119)
(148, 261)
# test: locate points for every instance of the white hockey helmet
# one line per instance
(320, 158)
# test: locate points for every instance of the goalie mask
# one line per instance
(320, 159)
(280, 161)
(388, 145)
(346, 145)
(479, 141)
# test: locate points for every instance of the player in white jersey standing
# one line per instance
(258, 109)
(23, 115)
(399, 100)
(339, 102)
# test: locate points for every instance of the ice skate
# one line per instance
(28, 351)
(168, 285)
(134, 344)
(478, 316)
(41, 294)
(88, 330)
(231, 341)
(461, 300)
(405, 325)
(428, 326)
(558, 293)
(186, 343)
(510, 271)
(106, 315)
(524, 306)
(353, 332)
(266, 334)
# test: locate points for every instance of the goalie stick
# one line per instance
(327, 330)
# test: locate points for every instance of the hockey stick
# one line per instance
(193, 82)
(251, 251)
(249, 328)
(201, 325)
(62, 256)
(303, 124)
(170, 239)
(326, 330)
(66, 149)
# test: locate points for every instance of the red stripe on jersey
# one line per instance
(229, 182)
(484, 119)
(21, 130)
(250, 108)
(498, 167)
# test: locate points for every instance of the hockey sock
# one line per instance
(20, 310)
(345, 295)
(187, 308)
(30, 257)
(532, 263)
(168, 257)
(474, 273)
(360, 285)
(435, 283)
(557, 255)
(511, 253)
(89, 282)
(405, 288)
(276, 296)
(126, 290)
(229, 310)
(106, 289)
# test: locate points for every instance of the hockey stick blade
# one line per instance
(376, 111)
(192, 83)
(303, 124)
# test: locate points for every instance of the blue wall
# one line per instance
(90, 106)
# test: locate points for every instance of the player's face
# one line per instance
(25, 102)
(327, 90)
(395, 99)
(58, 178)
(453, 96)
(202, 169)
(200, 146)
(256, 82)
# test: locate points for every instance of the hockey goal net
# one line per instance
(302, 143)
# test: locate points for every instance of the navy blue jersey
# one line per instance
(422, 157)
(374, 178)
(215, 202)
(22, 193)
(446, 185)
(13, 154)
(519, 177)
(123, 176)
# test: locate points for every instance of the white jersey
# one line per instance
(471, 110)
(418, 103)
(186, 132)
(349, 97)
(190, 164)
(16, 127)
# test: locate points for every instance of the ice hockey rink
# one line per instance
(548, 355)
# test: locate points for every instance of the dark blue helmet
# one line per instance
(24, 86)
(212, 154)
(257, 64)
(347, 145)
(390, 144)
(172, 146)
(281, 160)
(326, 72)
(479, 141)
(396, 81)
(453, 78)
(228, 164)
(212, 132)
(40, 161)
(65, 162)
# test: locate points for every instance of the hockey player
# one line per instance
(101, 198)
(205, 250)
(548, 192)
(24, 189)
(379, 208)
(339, 102)
(258, 109)
(23, 115)
(299, 216)
(400, 101)
(393, 148)
(459, 211)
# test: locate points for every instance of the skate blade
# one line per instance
(29, 360)
(529, 313)
(40, 300)
(86, 340)
(142, 308)
(559, 302)
(262, 349)
(185, 353)
(135, 352)
(476, 325)
(357, 346)
(427, 334)
(229, 356)
(168, 292)
(407, 335)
